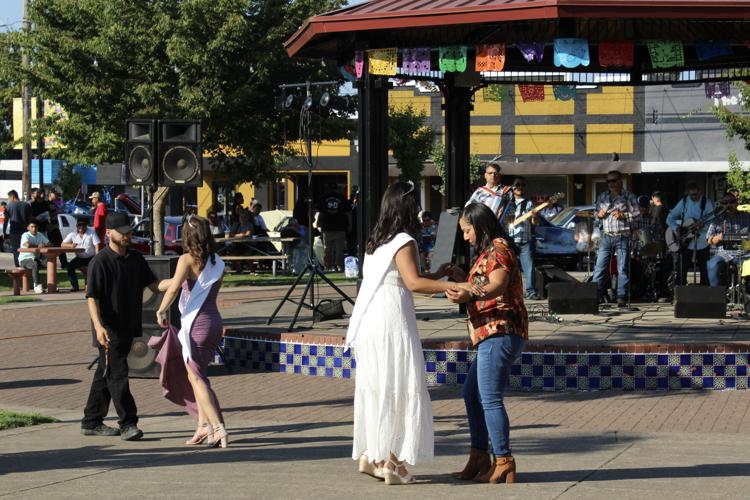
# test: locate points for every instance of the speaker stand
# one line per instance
(311, 269)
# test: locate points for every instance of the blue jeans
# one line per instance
(714, 266)
(608, 245)
(483, 392)
(526, 256)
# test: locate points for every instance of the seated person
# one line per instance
(85, 238)
(217, 228)
(731, 224)
(259, 225)
(243, 228)
(32, 239)
(296, 250)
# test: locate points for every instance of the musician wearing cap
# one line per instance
(493, 194)
(726, 235)
(688, 221)
(523, 233)
(615, 209)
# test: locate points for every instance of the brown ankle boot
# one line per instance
(479, 463)
(502, 471)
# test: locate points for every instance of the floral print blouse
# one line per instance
(506, 313)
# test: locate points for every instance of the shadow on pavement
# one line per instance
(20, 384)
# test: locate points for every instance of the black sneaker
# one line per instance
(621, 303)
(100, 430)
(130, 433)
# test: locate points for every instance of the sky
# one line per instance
(11, 14)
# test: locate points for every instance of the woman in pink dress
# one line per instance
(198, 276)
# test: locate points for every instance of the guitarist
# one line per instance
(523, 234)
(731, 223)
(615, 209)
(694, 205)
(493, 194)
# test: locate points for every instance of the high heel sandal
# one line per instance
(199, 436)
(392, 477)
(369, 468)
(217, 436)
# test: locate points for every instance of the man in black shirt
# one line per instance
(334, 222)
(17, 218)
(117, 276)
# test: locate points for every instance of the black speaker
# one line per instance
(700, 302)
(180, 153)
(546, 274)
(141, 359)
(573, 298)
(140, 153)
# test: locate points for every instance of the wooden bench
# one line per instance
(20, 277)
(257, 258)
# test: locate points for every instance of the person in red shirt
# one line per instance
(100, 217)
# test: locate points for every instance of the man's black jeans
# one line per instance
(73, 266)
(114, 387)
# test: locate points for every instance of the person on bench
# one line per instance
(243, 228)
(85, 238)
(32, 239)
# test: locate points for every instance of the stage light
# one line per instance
(307, 104)
(290, 100)
(334, 102)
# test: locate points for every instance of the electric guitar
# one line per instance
(523, 217)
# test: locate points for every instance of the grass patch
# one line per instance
(10, 419)
(12, 299)
(244, 279)
(6, 284)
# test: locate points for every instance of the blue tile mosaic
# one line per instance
(533, 371)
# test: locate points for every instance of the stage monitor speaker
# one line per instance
(445, 240)
(546, 274)
(700, 302)
(142, 359)
(140, 153)
(180, 153)
(573, 298)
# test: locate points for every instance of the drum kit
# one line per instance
(736, 251)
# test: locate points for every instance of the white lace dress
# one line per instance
(392, 408)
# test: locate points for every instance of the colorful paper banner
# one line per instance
(531, 93)
(383, 61)
(490, 57)
(666, 53)
(616, 54)
(571, 52)
(415, 60)
(453, 59)
(532, 51)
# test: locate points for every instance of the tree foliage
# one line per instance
(68, 181)
(738, 178)
(410, 140)
(10, 87)
(476, 166)
(219, 61)
(737, 124)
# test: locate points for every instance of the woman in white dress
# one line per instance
(392, 408)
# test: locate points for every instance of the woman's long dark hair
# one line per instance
(198, 241)
(486, 226)
(398, 214)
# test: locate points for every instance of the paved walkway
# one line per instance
(291, 435)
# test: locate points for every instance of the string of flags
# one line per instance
(567, 53)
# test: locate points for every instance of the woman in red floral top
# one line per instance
(498, 326)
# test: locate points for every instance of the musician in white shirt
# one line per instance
(85, 238)
(493, 194)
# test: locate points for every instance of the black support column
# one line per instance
(457, 154)
(373, 153)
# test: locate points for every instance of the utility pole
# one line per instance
(26, 98)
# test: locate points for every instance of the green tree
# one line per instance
(410, 140)
(68, 181)
(737, 124)
(738, 178)
(220, 61)
(10, 87)
(476, 166)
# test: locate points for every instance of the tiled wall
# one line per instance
(534, 371)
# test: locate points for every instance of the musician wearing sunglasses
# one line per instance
(726, 235)
(615, 210)
(523, 234)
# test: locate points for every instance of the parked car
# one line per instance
(141, 237)
(78, 207)
(125, 203)
(555, 238)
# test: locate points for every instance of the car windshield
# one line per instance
(561, 217)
